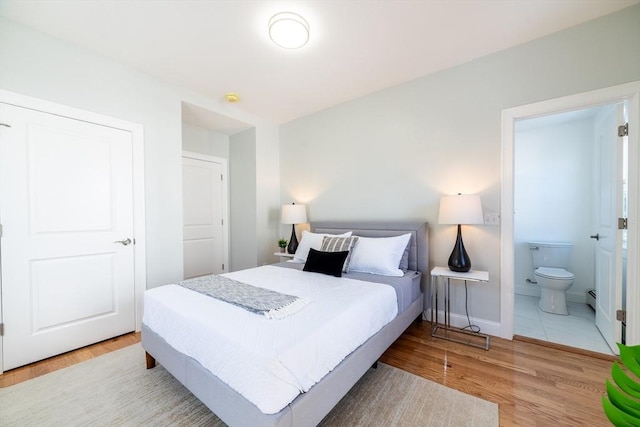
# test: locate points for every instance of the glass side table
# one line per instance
(446, 331)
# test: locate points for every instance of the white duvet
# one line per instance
(269, 361)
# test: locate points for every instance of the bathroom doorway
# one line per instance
(629, 93)
(563, 170)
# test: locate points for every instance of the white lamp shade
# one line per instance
(461, 209)
(293, 214)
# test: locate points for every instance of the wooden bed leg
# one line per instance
(151, 361)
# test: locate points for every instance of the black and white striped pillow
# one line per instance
(339, 244)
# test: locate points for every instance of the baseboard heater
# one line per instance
(591, 298)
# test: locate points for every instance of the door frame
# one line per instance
(629, 92)
(137, 135)
(225, 199)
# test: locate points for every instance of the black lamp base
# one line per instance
(293, 241)
(459, 260)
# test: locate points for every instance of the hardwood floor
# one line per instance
(533, 385)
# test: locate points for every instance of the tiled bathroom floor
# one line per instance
(578, 329)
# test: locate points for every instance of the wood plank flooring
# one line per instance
(534, 385)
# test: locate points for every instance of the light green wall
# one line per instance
(392, 154)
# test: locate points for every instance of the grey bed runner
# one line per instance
(265, 302)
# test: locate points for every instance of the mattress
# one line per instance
(407, 287)
(270, 362)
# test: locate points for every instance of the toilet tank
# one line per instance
(550, 254)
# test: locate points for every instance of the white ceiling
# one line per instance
(355, 48)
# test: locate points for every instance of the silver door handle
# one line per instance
(595, 236)
(125, 242)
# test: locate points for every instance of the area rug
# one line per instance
(117, 390)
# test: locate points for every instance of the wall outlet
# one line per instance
(491, 218)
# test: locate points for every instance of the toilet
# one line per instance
(549, 262)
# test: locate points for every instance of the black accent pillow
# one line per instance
(329, 263)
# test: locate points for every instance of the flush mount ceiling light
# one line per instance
(231, 97)
(288, 30)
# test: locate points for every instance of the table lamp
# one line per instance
(460, 209)
(293, 214)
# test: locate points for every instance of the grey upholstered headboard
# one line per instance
(418, 245)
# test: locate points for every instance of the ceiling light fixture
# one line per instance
(288, 30)
(231, 97)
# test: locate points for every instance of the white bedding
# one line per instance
(268, 361)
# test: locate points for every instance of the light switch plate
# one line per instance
(491, 218)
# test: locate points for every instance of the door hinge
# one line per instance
(623, 130)
(0, 230)
(221, 178)
(621, 315)
(222, 267)
(622, 223)
(1, 329)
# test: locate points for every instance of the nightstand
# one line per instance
(446, 331)
(284, 256)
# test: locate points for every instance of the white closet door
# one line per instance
(204, 211)
(65, 199)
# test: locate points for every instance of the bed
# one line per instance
(312, 405)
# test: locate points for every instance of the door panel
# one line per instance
(65, 197)
(53, 190)
(199, 258)
(60, 296)
(204, 246)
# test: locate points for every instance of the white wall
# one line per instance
(268, 190)
(204, 141)
(34, 64)
(553, 181)
(243, 204)
(392, 154)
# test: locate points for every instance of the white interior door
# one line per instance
(204, 203)
(608, 207)
(66, 199)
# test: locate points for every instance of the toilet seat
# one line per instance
(554, 273)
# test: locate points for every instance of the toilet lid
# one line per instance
(553, 273)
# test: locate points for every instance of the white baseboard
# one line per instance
(529, 290)
(460, 320)
(579, 296)
(572, 296)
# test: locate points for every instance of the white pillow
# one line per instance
(379, 255)
(312, 240)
